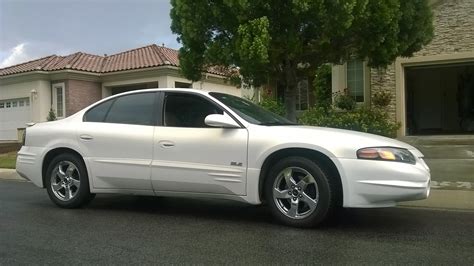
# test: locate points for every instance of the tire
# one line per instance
(299, 192)
(67, 181)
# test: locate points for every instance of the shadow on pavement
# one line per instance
(226, 210)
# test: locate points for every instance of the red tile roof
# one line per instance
(144, 57)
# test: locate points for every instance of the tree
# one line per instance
(322, 86)
(285, 39)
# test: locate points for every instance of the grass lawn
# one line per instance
(8, 160)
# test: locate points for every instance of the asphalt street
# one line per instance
(151, 230)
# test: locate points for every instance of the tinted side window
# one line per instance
(136, 109)
(97, 113)
(184, 110)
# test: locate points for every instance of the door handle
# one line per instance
(86, 137)
(166, 143)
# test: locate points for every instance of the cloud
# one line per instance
(17, 55)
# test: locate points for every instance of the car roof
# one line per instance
(166, 89)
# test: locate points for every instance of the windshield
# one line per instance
(249, 111)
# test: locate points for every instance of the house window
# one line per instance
(8, 104)
(355, 79)
(59, 103)
(302, 95)
(2, 105)
(14, 104)
(21, 103)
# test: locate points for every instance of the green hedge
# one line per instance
(370, 120)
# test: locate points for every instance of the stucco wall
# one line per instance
(17, 90)
(80, 93)
(453, 33)
(168, 81)
(207, 86)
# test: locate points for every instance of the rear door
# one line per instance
(116, 139)
(192, 157)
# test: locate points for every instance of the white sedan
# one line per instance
(183, 142)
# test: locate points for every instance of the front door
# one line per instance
(192, 157)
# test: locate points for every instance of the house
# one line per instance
(433, 91)
(69, 83)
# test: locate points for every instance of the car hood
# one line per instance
(339, 142)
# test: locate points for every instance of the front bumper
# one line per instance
(369, 184)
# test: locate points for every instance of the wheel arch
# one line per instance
(319, 157)
(51, 154)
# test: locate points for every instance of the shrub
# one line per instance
(370, 120)
(343, 100)
(51, 115)
(381, 99)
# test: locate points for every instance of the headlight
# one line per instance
(386, 154)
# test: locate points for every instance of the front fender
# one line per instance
(258, 159)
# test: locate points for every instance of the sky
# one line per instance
(31, 29)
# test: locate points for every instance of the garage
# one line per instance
(130, 87)
(14, 114)
(440, 99)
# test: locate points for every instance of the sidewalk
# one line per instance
(453, 199)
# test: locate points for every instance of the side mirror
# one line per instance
(217, 120)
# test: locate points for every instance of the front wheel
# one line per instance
(298, 192)
(67, 181)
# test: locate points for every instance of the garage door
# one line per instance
(14, 114)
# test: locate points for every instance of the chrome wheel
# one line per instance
(295, 192)
(65, 180)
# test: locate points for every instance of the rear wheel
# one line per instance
(67, 181)
(299, 192)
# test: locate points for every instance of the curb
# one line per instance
(462, 200)
(10, 174)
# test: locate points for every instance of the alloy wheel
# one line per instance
(65, 180)
(295, 192)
